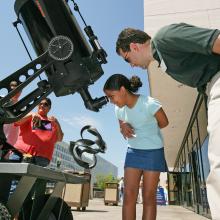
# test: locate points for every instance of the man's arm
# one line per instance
(216, 46)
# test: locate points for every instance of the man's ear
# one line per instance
(134, 47)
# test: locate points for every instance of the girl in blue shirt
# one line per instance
(140, 119)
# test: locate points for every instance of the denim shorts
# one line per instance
(149, 160)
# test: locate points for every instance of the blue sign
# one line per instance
(160, 196)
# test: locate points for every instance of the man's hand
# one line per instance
(127, 130)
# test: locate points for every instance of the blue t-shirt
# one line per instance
(141, 118)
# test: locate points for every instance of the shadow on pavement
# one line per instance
(89, 210)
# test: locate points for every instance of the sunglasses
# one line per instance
(44, 104)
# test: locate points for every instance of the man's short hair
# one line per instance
(130, 35)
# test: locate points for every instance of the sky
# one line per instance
(107, 19)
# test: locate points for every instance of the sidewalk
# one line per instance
(98, 211)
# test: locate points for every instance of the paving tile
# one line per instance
(98, 211)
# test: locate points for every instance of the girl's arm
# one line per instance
(162, 119)
(126, 129)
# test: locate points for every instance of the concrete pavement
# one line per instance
(98, 211)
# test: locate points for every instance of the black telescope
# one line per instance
(77, 63)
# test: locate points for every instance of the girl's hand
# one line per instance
(127, 130)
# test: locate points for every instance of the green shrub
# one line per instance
(102, 179)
